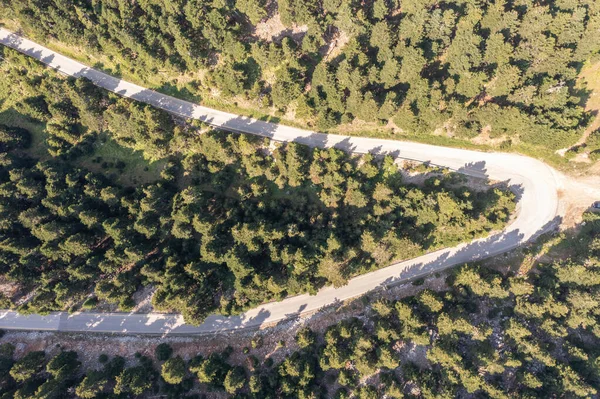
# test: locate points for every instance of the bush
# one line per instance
(163, 352)
(90, 303)
(235, 380)
(29, 365)
(174, 370)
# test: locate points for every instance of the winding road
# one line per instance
(537, 211)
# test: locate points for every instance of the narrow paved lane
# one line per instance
(533, 180)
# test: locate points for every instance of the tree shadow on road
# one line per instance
(481, 249)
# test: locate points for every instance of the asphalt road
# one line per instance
(535, 183)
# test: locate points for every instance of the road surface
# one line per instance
(535, 183)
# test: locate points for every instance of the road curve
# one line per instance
(535, 182)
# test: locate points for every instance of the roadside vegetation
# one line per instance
(101, 196)
(500, 73)
(228, 221)
(489, 334)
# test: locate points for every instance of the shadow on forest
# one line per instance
(472, 252)
(173, 324)
(475, 169)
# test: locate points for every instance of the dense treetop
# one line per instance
(232, 221)
(488, 335)
(506, 68)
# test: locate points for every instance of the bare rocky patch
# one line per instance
(337, 43)
(273, 30)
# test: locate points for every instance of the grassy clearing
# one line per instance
(589, 85)
(108, 153)
(589, 79)
(11, 117)
(106, 156)
(38, 148)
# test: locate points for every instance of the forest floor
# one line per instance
(576, 196)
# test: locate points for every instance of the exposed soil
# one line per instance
(336, 45)
(143, 300)
(581, 158)
(8, 288)
(576, 195)
(485, 139)
(272, 29)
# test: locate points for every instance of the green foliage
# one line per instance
(140, 127)
(444, 65)
(28, 366)
(229, 225)
(212, 370)
(305, 338)
(163, 352)
(12, 138)
(133, 380)
(90, 303)
(254, 9)
(230, 222)
(234, 380)
(91, 385)
(63, 365)
(471, 337)
(174, 370)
